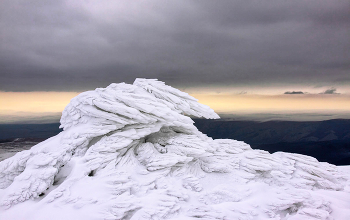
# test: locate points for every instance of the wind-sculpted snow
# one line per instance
(132, 152)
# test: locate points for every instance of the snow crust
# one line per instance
(132, 152)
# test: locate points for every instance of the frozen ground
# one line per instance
(132, 152)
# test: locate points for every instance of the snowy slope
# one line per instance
(132, 152)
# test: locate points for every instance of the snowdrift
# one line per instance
(132, 152)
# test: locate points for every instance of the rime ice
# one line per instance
(132, 152)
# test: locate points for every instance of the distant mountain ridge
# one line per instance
(276, 131)
(328, 141)
(9, 132)
(249, 131)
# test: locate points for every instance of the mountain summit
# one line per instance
(132, 152)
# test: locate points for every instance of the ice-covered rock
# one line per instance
(132, 152)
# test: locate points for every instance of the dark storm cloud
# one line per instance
(78, 45)
(330, 91)
(294, 93)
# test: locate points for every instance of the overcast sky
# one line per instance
(76, 45)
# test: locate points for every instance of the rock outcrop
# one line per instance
(132, 152)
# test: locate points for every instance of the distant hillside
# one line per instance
(328, 141)
(41, 131)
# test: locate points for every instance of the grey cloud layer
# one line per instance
(79, 45)
(294, 93)
(330, 91)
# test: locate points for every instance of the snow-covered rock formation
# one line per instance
(132, 152)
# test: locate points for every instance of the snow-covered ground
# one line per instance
(132, 152)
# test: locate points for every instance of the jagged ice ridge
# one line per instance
(132, 152)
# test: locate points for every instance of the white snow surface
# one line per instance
(132, 152)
